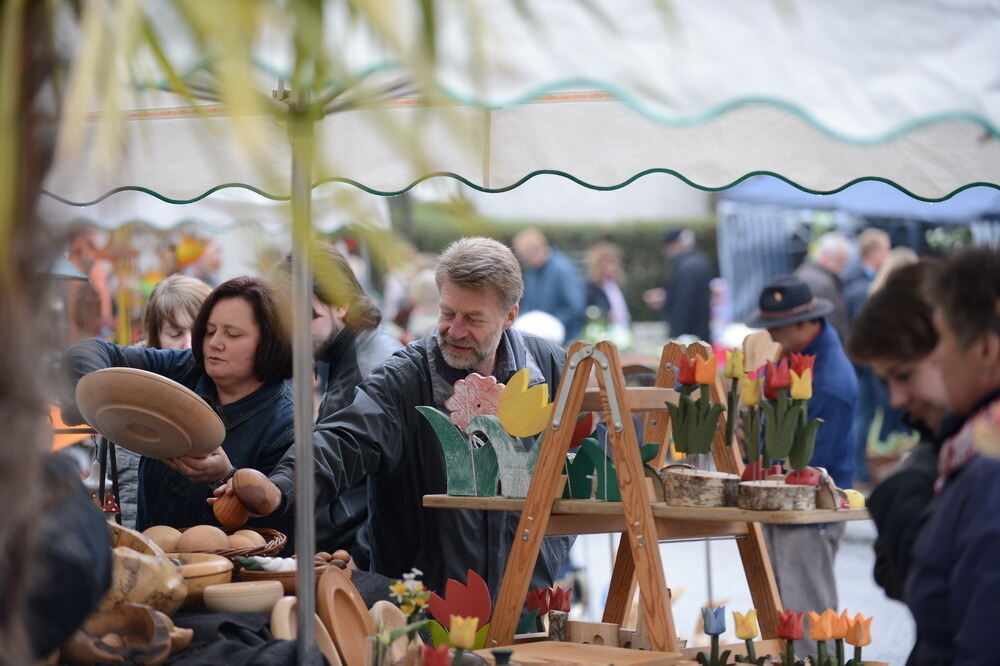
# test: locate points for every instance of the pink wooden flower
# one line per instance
(474, 396)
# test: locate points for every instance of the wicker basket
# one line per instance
(274, 543)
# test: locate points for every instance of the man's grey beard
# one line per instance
(463, 362)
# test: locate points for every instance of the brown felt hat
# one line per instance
(787, 300)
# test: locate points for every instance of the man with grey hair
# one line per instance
(381, 436)
(823, 275)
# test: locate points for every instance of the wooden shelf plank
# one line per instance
(591, 508)
(640, 399)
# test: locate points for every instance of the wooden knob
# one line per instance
(256, 492)
(230, 511)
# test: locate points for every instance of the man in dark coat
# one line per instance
(381, 435)
(685, 300)
(348, 343)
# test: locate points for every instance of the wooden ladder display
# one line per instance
(638, 557)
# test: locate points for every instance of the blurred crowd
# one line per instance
(905, 345)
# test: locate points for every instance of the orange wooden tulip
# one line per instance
(820, 626)
(704, 371)
(859, 631)
(841, 623)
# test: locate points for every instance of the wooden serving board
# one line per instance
(550, 652)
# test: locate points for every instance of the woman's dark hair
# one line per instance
(896, 321)
(273, 360)
(335, 284)
(966, 289)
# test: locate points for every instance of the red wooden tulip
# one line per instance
(686, 372)
(472, 600)
(809, 476)
(538, 600)
(790, 625)
(802, 362)
(778, 377)
(560, 599)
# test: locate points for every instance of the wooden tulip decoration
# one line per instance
(256, 492)
(230, 511)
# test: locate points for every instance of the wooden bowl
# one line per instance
(339, 605)
(284, 626)
(286, 578)
(201, 570)
(247, 597)
(274, 542)
(148, 413)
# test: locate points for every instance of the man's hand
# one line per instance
(208, 469)
(254, 491)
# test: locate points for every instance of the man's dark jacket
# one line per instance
(344, 360)
(687, 308)
(381, 434)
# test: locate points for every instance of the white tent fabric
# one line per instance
(334, 205)
(588, 136)
(603, 92)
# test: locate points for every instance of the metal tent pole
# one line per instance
(300, 127)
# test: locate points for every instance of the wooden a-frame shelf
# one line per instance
(642, 523)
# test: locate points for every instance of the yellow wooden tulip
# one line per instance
(734, 364)
(704, 369)
(840, 625)
(463, 631)
(802, 385)
(524, 411)
(820, 626)
(855, 499)
(859, 632)
(746, 625)
(750, 389)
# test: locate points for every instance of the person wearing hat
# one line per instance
(685, 299)
(803, 555)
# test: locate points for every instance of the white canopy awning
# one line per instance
(603, 92)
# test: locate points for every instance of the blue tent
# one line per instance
(766, 224)
(870, 199)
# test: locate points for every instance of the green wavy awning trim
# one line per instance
(533, 174)
(646, 110)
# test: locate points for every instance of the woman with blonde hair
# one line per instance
(170, 313)
(605, 300)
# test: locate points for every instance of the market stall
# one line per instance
(719, 95)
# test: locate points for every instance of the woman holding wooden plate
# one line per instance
(236, 367)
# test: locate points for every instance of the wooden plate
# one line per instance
(149, 414)
(345, 615)
(284, 626)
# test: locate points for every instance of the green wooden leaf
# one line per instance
(579, 483)
(604, 468)
(770, 432)
(439, 635)
(648, 451)
(457, 452)
(805, 445)
(481, 637)
(514, 464)
(527, 623)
